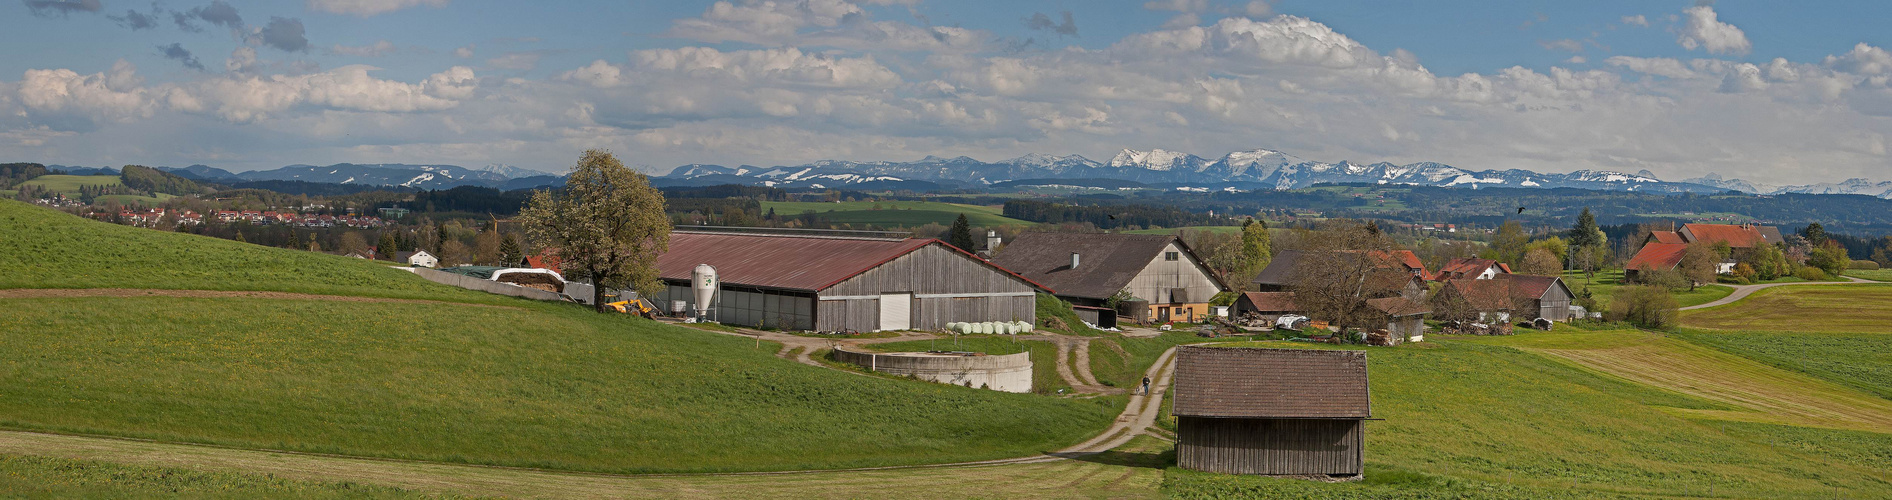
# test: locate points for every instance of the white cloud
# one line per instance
(1636, 20)
(1703, 30)
(242, 60)
(369, 8)
(770, 66)
(115, 95)
(464, 52)
(1257, 9)
(250, 98)
(597, 74)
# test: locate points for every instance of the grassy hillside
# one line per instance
(48, 249)
(69, 184)
(895, 213)
(505, 381)
(1604, 286)
(42, 477)
(1803, 308)
(1499, 417)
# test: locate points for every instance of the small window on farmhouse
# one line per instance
(1171, 255)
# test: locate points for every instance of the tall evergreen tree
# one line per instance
(509, 252)
(388, 246)
(961, 235)
(1586, 233)
(1815, 234)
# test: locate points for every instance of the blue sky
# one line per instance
(1772, 92)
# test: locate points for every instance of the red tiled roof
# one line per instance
(1524, 286)
(546, 259)
(1465, 267)
(788, 262)
(1667, 237)
(1736, 236)
(1657, 257)
(1270, 383)
(1271, 301)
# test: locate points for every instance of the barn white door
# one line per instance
(896, 311)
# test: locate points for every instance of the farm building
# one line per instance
(1279, 275)
(542, 279)
(417, 258)
(1405, 319)
(1509, 295)
(1471, 268)
(843, 284)
(1159, 271)
(1662, 250)
(1269, 305)
(1271, 411)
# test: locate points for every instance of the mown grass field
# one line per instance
(43, 477)
(1873, 274)
(1500, 417)
(69, 184)
(1803, 308)
(895, 213)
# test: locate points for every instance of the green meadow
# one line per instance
(1605, 284)
(497, 381)
(44, 477)
(69, 184)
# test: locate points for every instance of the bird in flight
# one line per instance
(1520, 209)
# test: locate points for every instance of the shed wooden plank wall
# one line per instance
(1270, 446)
(749, 307)
(929, 270)
(1554, 305)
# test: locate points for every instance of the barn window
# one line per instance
(1171, 256)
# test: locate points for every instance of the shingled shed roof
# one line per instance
(809, 263)
(1657, 257)
(1270, 383)
(1106, 262)
(1737, 236)
(1525, 286)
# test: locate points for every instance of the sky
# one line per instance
(1771, 92)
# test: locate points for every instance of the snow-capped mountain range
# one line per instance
(1254, 169)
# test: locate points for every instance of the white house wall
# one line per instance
(1156, 280)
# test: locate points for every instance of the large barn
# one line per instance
(843, 284)
(1271, 411)
(1161, 273)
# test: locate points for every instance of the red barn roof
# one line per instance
(1666, 237)
(1657, 257)
(1742, 236)
(789, 262)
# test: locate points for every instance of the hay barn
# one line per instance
(1168, 281)
(812, 282)
(1281, 412)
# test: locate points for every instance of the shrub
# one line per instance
(1863, 264)
(1644, 306)
(1665, 278)
(1811, 273)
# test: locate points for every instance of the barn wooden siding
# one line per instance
(1554, 305)
(854, 303)
(1270, 446)
(750, 307)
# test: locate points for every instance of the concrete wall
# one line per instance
(1009, 372)
(489, 286)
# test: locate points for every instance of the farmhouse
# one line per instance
(1163, 276)
(1662, 250)
(1476, 300)
(1271, 411)
(1471, 268)
(842, 284)
(1279, 275)
(417, 258)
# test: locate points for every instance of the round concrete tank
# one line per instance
(703, 287)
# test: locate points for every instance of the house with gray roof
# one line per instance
(1164, 279)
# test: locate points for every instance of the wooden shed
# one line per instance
(1283, 412)
(816, 282)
